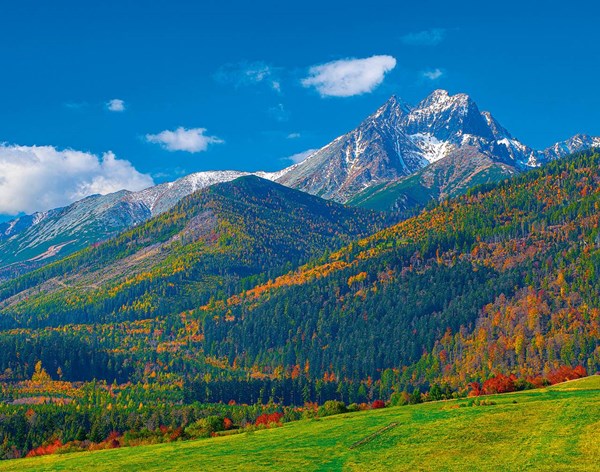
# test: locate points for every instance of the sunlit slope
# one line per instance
(550, 429)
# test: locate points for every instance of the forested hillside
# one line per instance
(211, 245)
(505, 279)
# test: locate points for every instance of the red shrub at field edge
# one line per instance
(268, 418)
(50, 448)
(499, 384)
(564, 373)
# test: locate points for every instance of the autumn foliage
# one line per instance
(45, 450)
(565, 373)
(268, 418)
(501, 383)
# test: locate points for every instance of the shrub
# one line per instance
(564, 373)
(415, 397)
(399, 399)
(378, 404)
(499, 384)
(332, 407)
(204, 427)
(523, 384)
(268, 418)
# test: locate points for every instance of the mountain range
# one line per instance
(399, 158)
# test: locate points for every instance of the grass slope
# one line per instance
(550, 429)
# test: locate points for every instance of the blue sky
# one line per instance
(238, 71)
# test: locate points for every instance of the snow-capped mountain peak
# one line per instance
(398, 140)
(394, 107)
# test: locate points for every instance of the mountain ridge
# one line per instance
(399, 158)
(405, 139)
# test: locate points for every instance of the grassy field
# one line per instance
(550, 429)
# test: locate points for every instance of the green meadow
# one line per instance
(552, 429)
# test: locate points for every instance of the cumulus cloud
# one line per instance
(432, 74)
(293, 136)
(348, 77)
(300, 156)
(430, 37)
(36, 178)
(116, 104)
(190, 140)
(249, 73)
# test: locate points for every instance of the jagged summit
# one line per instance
(394, 106)
(447, 117)
(399, 139)
(573, 144)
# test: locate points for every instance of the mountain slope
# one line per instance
(449, 177)
(33, 240)
(207, 244)
(376, 150)
(399, 158)
(213, 293)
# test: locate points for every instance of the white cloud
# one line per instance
(430, 37)
(182, 139)
(301, 156)
(116, 104)
(432, 74)
(249, 73)
(36, 178)
(348, 77)
(293, 136)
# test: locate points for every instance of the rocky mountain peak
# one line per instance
(394, 106)
(448, 117)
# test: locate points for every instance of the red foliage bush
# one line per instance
(227, 423)
(538, 382)
(176, 434)
(268, 418)
(378, 404)
(499, 384)
(475, 389)
(50, 448)
(564, 373)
